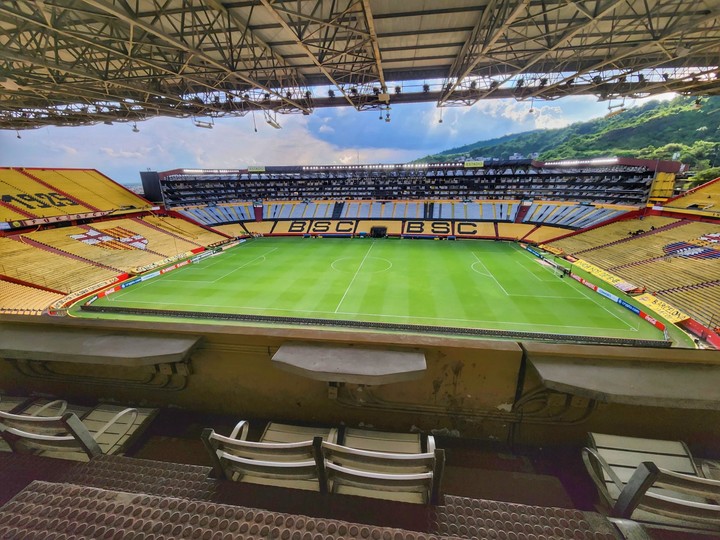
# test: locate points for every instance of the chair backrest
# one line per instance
(382, 474)
(235, 459)
(696, 501)
(383, 441)
(624, 454)
(42, 434)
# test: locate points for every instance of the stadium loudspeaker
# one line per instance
(378, 232)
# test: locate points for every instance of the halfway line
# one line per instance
(353, 279)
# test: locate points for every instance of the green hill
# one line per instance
(655, 130)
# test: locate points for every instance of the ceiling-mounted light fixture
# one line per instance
(271, 119)
(203, 123)
(135, 128)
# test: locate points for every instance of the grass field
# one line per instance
(475, 284)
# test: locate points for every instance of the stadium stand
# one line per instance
(231, 229)
(624, 181)
(184, 229)
(575, 216)
(19, 299)
(48, 268)
(703, 199)
(557, 214)
(544, 233)
(702, 301)
(86, 242)
(673, 259)
(514, 231)
(90, 187)
(157, 240)
(24, 198)
(640, 247)
(608, 234)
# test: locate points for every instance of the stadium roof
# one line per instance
(75, 62)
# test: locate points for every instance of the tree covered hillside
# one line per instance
(656, 130)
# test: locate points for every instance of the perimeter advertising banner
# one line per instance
(662, 308)
(606, 276)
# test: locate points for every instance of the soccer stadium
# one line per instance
(497, 348)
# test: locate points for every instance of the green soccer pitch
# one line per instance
(464, 284)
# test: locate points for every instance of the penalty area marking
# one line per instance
(519, 263)
(489, 273)
(204, 282)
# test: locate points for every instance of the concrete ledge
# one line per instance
(357, 365)
(87, 346)
(643, 383)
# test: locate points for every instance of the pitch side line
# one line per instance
(490, 273)
(224, 275)
(409, 318)
(634, 329)
(244, 265)
(355, 276)
(520, 250)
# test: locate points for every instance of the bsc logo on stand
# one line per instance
(705, 247)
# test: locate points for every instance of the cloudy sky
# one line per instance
(328, 136)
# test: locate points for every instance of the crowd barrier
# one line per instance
(701, 331)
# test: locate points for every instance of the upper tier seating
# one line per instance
(21, 300)
(617, 184)
(703, 198)
(90, 187)
(32, 199)
(47, 268)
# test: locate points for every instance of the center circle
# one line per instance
(372, 265)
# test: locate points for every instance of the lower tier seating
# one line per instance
(47, 268)
(607, 234)
(19, 299)
(185, 229)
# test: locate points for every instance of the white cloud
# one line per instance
(122, 154)
(335, 135)
(63, 149)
